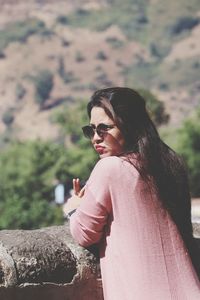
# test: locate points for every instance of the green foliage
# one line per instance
(79, 57)
(82, 160)
(155, 107)
(20, 91)
(184, 23)
(7, 136)
(189, 148)
(163, 17)
(158, 51)
(173, 75)
(141, 74)
(140, 20)
(129, 15)
(71, 119)
(29, 169)
(101, 55)
(67, 76)
(169, 135)
(79, 151)
(102, 19)
(43, 85)
(115, 42)
(157, 26)
(2, 54)
(26, 188)
(17, 213)
(62, 20)
(8, 117)
(180, 73)
(20, 31)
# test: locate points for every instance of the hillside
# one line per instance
(85, 45)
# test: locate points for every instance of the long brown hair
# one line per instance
(156, 160)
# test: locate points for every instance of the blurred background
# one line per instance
(53, 55)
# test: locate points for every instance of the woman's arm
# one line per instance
(88, 223)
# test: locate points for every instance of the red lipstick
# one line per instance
(99, 149)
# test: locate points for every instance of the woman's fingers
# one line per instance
(81, 193)
(76, 186)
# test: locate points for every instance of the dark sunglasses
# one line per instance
(101, 129)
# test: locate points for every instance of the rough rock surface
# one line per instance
(48, 264)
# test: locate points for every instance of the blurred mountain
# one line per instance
(53, 53)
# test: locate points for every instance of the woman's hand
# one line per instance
(78, 191)
(74, 201)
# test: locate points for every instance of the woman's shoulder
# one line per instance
(106, 169)
(109, 162)
(112, 168)
(114, 163)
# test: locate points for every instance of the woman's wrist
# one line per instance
(69, 214)
(71, 205)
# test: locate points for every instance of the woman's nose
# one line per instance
(96, 138)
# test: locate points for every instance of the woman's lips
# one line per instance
(100, 149)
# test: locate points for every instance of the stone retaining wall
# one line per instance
(47, 264)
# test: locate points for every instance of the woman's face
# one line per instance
(112, 142)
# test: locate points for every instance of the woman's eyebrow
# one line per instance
(97, 124)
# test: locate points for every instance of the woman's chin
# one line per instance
(106, 154)
(103, 155)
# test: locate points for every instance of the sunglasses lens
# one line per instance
(88, 131)
(101, 129)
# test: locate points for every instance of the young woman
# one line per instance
(135, 205)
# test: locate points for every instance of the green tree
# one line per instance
(79, 151)
(67, 76)
(155, 107)
(26, 187)
(43, 86)
(20, 31)
(20, 91)
(28, 170)
(8, 117)
(189, 148)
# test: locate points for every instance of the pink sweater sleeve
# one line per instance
(88, 222)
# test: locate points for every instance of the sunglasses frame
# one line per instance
(101, 130)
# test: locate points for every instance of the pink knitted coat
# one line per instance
(142, 255)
